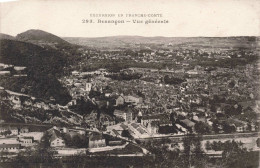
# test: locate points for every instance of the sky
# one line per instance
(189, 18)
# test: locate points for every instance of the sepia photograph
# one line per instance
(129, 84)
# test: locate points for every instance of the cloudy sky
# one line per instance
(186, 18)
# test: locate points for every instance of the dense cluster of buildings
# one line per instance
(175, 97)
(221, 99)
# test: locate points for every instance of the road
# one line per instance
(205, 137)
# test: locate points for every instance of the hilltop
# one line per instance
(39, 36)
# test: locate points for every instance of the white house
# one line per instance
(56, 140)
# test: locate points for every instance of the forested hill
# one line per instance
(51, 42)
(26, 54)
(43, 68)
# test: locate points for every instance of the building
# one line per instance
(115, 133)
(240, 126)
(127, 116)
(37, 136)
(163, 119)
(16, 98)
(14, 130)
(75, 73)
(115, 142)
(148, 119)
(10, 147)
(5, 73)
(63, 130)
(23, 130)
(107, 120)
(88, 87)
(181, 129)
(19, 68)
(188, 124)
(10, 140)
(153, 127)
(120, 100)
(133, 100)
(55, 140)
(96, 141)
(102, 71)
(26, 141)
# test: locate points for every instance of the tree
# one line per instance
(162, 156)
(4, 155)
(234, 154)
(80, 142)
(40, 155)
(7, 132)
(231, 84)
(228, 128)
(258, 142)
(68, 140)
(215, 126)
(201, 128)
(193, 154)
(208, 146)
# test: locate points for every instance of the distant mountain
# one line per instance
(43, 68)
(41, 37)
(130, 41)
(6, 36)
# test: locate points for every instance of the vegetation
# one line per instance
(234, 155)
(37, 115)
(195, 157)
(128, 149)
(227, 62)
(117, 65)
(124, 76)
(6, 113)
(78, 141)
(83, 107)
(43, 68)
(8, 132)
(202, 128)
(125, 133)
(172, 80)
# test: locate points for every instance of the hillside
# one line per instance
(44, 66)
(26, 54)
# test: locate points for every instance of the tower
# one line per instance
(88, 87)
